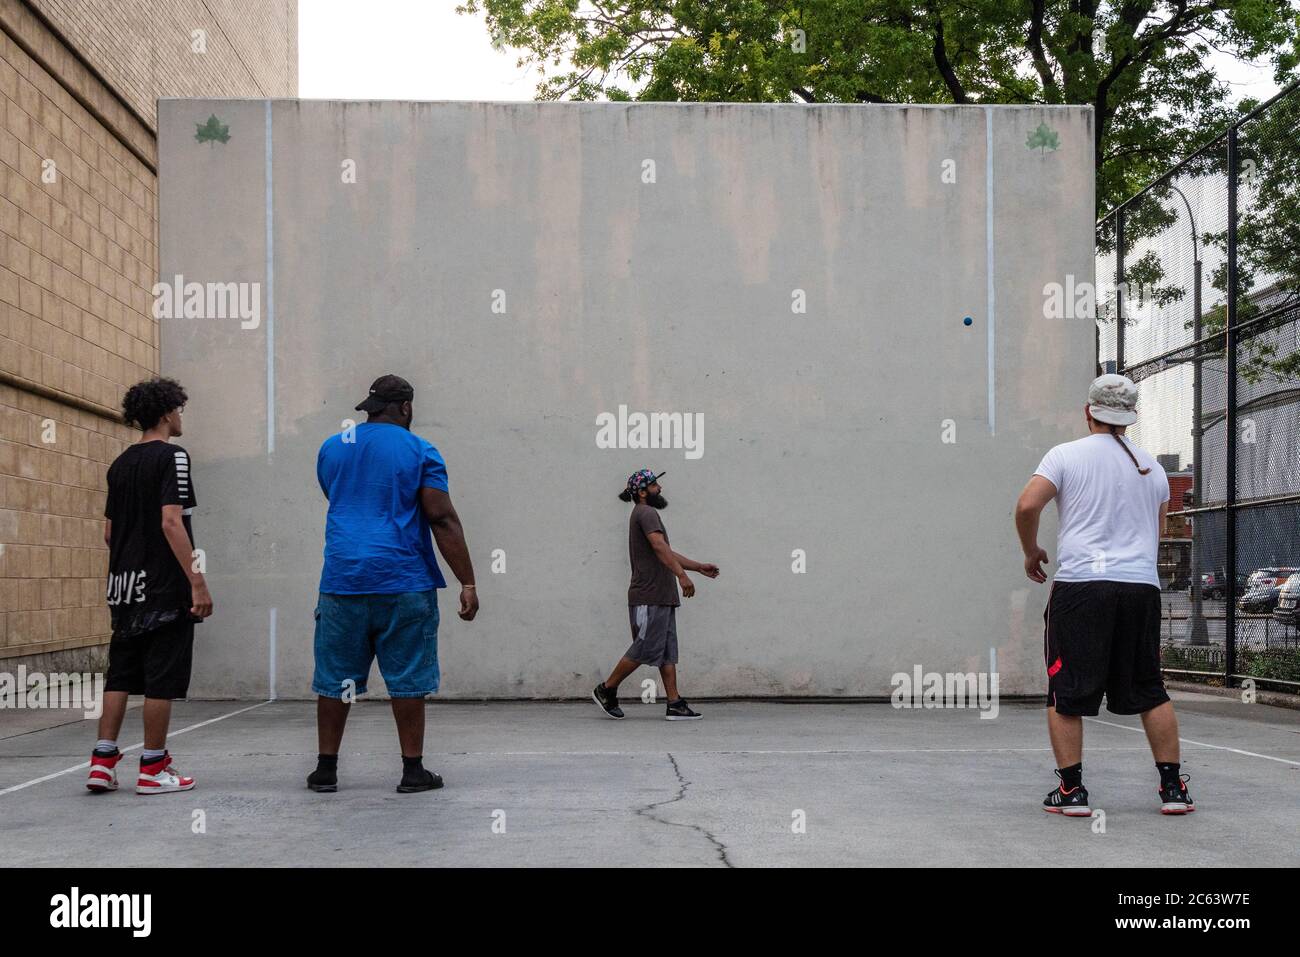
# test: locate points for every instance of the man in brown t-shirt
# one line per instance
(652, 598)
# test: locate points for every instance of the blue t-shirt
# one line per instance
(377, 541)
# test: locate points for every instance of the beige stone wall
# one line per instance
(144, 48)
(51, 507)
(78, 258)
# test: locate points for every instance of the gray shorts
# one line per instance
(654, 634)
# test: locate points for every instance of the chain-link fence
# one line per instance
(1198, 301)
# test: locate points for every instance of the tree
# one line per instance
(1268, 264)
(1141, 65)
(1268, 245)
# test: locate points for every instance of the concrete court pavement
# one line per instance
(878, 786)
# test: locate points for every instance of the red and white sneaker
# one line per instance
(103, 772)
(161, 777)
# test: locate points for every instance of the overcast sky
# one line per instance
(424, 50)
(402, 50)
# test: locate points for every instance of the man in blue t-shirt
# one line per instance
(387, 490)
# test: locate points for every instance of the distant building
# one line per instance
(1180, 487)
(1174, 559)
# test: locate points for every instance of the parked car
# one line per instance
(1287, 600)
(1263, 588)
(1214, 585)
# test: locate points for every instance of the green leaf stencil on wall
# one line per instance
(1043, 139)
(212, 131)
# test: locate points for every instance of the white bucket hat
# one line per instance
(1112, 399)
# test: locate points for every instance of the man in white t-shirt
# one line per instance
(1102, 633)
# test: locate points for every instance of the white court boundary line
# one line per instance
(85, 764)
(1203, 744)
(202, 724)
(686, 753)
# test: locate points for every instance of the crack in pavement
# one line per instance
(681, 795)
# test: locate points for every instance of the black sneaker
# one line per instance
(607, 700)
(421, 780)
(323, 780)
(679, 710)
(1174, 798)
(1072, 803)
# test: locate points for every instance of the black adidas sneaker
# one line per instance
(1174, 798)
(1072, 803)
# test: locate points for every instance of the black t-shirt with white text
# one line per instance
(147, 587)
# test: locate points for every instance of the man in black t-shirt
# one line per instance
(652, 598)
(155, 591)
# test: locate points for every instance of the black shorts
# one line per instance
(1103, 637)
(155, 664)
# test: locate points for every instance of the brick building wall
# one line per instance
(1178, 526)
(78, 258)
(144, 48)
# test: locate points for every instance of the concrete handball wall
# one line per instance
(534, 267)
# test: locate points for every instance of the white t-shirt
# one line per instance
(1109, 513)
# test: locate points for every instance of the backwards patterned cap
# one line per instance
(642, 479)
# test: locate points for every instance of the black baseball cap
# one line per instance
(384, 391)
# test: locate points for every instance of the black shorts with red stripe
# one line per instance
(1103, 638)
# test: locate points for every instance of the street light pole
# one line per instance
(1199, 632)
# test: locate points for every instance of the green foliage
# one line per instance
(1268, 222)
(213, 131)
(1144, 67)
(1281, 664)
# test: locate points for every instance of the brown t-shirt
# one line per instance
(652, 582)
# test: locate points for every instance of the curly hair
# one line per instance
(147, 402)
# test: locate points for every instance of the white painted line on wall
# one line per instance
(270, 291)
(85, 764)
(271, 664)
(1203, 744)
(988, 255)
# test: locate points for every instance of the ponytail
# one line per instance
(1128, 452)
